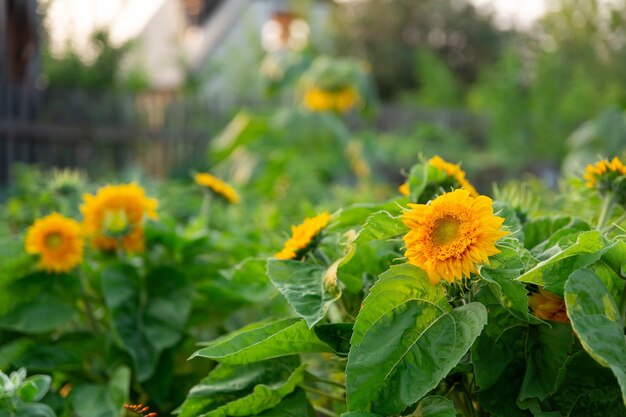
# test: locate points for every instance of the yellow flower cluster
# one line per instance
(302, 236)
(451, 170)
(113, 218)
(342, 100)
(604, 172)
(448, 237)
(58, 242)
(219, 187)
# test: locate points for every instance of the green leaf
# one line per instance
(500, 276)
(359, 414)
(34, 388)
(305, 287)
(542, 233)
(380, 225)
(94, 400)
(27, 318)
(353, 217)
(500, 399)
(548, 348)
(422, 343)
(242, 390)
(263, 341)
(554, 271)
(597, 322)
(33, 410)
(146, 328)
(262, 397)
(293, 405)
(336, 336)
(588, 390)
(397, 285)
(434, 406)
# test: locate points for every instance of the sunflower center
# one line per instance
(54, 240)
(116, 223)
(446, 230)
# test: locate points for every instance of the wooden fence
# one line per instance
(100, 133)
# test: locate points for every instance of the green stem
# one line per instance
(325, 381)
(622, 303)
(607, 208)
(205, 209)
(614, 223)
(325, 411)
(323, 393)
(91, 318)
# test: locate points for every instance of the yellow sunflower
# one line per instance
(342, 100)
(58, 242)
(454, 171)
(303, 235)
(219, 187)
(604, 172)
(113, 218)
(404, 189)
(546, 305)
(450, 236)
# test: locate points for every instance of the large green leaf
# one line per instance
(597, 322)
(397, 285)
(264, 341)
(263, 397)
(293, 405)
(380, 225)
(36, 296)
(32, 410)
(547, 349)
(94, 400)
(305, 287)
(242, 390)
(588, 390)
(500, 277)
(415, 340)
(147, 319)
(545, 232)
(336, 336)
(554, 271)
(434, 406)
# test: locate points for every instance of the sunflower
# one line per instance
(58, 242)
(454, 171)
(219, 187)
(113, 218)
(603, 173)
(341, 100)
(404, 189)
(449, 236)
(303, 236)
(548, 306)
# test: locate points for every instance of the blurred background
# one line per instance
(163, 87)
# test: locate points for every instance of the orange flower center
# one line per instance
(54, 240)
(446, 229)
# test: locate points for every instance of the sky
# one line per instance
(76, 19)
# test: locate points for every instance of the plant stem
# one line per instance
(323, 393)
(91, 318)
(622, 304)
(614, 223)
(605, 212)
(325, 381)
(325, 411)
(205, 209)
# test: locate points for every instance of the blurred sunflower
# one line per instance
(218, 187)
(546, 305)
(449, 236)
(113, 218)
(303, 236)
(603, 173)
(404, 189)
(454, 171)
(58, 242)
(340, 100)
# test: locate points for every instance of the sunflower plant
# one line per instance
(438, 303)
